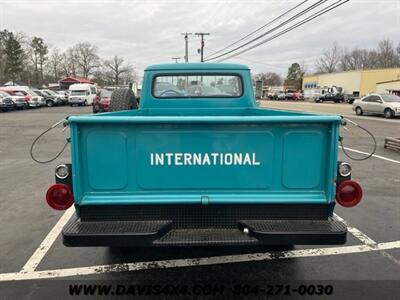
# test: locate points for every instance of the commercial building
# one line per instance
(359, 82)
(392, 87)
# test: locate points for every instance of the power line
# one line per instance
(259, 28)
(303, 12)
(304, 21)
(251, 60)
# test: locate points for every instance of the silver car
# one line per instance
(382, 104)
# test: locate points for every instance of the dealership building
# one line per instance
(358, 82)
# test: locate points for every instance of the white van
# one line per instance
(82, 94)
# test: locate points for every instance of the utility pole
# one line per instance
(202, 34)
(185, 34)
(176, 59)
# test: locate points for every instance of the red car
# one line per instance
(102, 102)
(294, 95)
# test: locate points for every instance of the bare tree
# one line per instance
(370, 59)
(116, 67)
(352, 60)
(329, 60)
(86, 58)
(130, 76)
(68, 63)
(387, 55)
(54, 63)
(270, 78)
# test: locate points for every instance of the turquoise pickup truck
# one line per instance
(199, 163)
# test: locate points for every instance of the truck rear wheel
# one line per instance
(123, 99)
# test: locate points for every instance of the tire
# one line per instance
(96, 108)
(123, 99)
(359, 111)
(49, 103)
(388, 113)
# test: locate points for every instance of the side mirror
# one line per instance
(258, 103)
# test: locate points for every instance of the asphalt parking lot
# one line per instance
(32, 251)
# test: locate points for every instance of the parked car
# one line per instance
(337, 98)
(19, 101)
(48, 100)
(41, 99)
(203, 170)
(102, 102)
(65, 94)
(58, 98)
(82, 94)
(297, 96)
(382, 104)
(279, 96)
(6, 102)
(30, 97)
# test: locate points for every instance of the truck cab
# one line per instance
(196, 165)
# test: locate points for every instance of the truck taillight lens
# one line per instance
(349, 193)
(59, 196)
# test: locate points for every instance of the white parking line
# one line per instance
(193, 262)
(362, 237)
(365, 239)
(376, 156)
(41, 251)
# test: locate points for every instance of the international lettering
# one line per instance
(203, 159)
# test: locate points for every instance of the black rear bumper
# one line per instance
(162, 233)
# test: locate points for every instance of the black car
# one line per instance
(337, 98)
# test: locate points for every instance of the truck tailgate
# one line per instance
(211, 159)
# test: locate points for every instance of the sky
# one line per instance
(149, 32)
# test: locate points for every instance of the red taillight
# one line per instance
(59, 196)
(349, 193)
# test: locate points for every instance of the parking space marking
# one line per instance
(365, 239)
(41, 251)
(362, 237)
(376, 156)
(371, 118)
(194, 262)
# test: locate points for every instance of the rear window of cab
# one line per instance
(197, 86)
